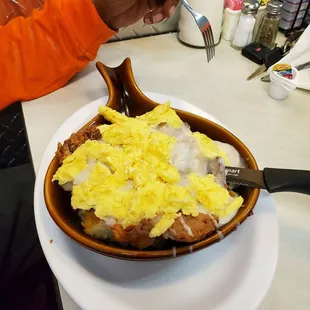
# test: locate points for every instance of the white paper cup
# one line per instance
(279, 86)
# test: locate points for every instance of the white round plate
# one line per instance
(233, 274)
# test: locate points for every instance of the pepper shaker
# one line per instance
(269, 24)
(244, 31)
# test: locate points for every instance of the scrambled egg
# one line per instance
(130, 176)
(162, 114)
(209, 148)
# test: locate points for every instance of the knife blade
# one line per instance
(245, 177)
(272, 179)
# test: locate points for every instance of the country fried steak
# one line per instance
(186, 228)
(76, 140)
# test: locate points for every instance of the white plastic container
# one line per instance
(293, 7)
(280, 87)
(231, 18)
(288, 24)
(290, 16)
(189, 33)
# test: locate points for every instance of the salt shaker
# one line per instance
(269, 24)
(244, 31)
(189, 33)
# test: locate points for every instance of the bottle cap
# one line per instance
(274, 7)
(250, 7)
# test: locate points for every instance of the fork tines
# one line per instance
(207, 35)
(205, 28)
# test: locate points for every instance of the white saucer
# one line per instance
(233, 274)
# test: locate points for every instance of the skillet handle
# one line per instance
(124, 82)
(114, 84)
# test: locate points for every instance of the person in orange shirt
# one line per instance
(41, 53)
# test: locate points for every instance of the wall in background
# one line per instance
(142, 30)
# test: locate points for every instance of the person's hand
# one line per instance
(121, 13)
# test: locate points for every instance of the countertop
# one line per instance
(275, 131)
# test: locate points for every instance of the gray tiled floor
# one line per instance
(13, 139)
(26, 281)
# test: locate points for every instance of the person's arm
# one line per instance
(41, 53)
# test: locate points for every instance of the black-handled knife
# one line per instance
(272, 179)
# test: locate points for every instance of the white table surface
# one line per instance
(275, 131)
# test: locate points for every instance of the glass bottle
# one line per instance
(244, 31)
(269, 25)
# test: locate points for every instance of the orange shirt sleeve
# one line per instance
(39, 54)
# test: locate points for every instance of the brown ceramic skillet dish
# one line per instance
(58, 201)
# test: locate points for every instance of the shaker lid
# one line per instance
(250, 7)
(274, 7)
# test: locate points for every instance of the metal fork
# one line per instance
(205, 28)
